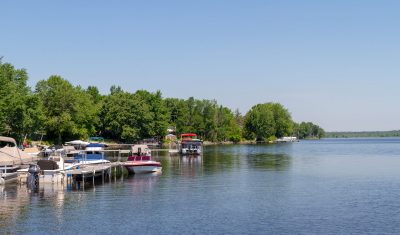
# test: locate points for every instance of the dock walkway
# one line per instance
(90, 172)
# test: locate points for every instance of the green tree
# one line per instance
(267, 121)
(19, 112)
(69, 110)
(204, 117)
(283, 120)
(127, 116)
(179, 115)
(159, 112)
(97, 101)
(308, 130)
(227, 126)
(94, 94)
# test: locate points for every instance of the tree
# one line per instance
(127, 116)
(204, 117)
(267, 121)
(159, 112)
(283, 120)
(94, 93)
(307, 130)
(19, 112)
(227, 125)
(97, 101)
(69, 110)
(179, 115)
(259, 123)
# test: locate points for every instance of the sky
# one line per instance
(334, 63)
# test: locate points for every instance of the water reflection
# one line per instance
(12, 204)
(140, 183)
(269, 161)
(220, 159)
(188, 166)
(228, 158)
(17, 200)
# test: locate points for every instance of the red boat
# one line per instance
(140, 161)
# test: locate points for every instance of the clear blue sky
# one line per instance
(335, 63)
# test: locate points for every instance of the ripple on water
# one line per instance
(317, 187)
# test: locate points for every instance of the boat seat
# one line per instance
(131, 158)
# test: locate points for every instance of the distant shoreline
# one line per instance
(353, 134)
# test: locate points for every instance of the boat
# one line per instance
(287, 139)
(141, 162)
(190, 144)
(12, 159)
(93, 154)
(33, 151)
(77, 143)
(56, 168)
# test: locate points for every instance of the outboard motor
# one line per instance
(33, 176)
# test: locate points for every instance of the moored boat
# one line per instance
(141, 162)
(190, 144)
(93, 154)
(12, 159)
(287, 139)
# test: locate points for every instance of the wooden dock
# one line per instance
(87, 173)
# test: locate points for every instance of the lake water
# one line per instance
(331, 186)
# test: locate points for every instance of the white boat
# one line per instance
(56, 167)
(287, 139)
(141, 162)
(93, 154)
(78, 143)
(12, 159)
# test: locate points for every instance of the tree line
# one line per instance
(363, 134)
(60, 111)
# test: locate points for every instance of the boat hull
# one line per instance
(140, 167)
(190, 152)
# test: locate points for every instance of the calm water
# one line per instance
(347, 186)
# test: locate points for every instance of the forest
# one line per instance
(58, 111)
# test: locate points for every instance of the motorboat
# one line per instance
(56, 168)
(287, 139)
(140, 161)
(190, 144)
(12, 159)
(93, 154)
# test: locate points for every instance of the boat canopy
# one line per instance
(78, 142)
(11, 155)
(188, 135)
(8, 140)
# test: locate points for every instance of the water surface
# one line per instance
(332, 186)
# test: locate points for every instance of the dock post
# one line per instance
(122, 171)
(109, 174)
(115, 174)
(94, 173)
(102, 175)
(83, 181)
